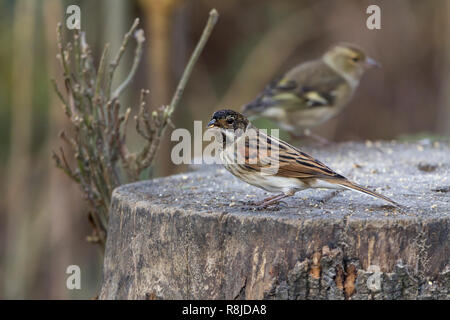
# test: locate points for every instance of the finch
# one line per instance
(312, 92)
(282, 169)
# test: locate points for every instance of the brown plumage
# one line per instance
(272, 164)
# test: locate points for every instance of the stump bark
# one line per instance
(196, 235)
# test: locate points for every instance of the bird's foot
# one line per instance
(271, 200)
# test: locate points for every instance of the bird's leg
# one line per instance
(274, 199)
(266, 200)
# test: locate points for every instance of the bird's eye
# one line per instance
(230, 120)
(355, 59)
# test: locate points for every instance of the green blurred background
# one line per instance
(43, 221)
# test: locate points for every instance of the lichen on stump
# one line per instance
(197, 236)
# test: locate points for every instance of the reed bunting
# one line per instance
(312, 92)
(271, 164)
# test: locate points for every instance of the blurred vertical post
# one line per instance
(59, 205)
(443, 119)
(116, 16)
(158, 14)
(19, 206)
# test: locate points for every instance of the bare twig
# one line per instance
(139, 36)
(167, 111)
(98, 141)
(213, 17)
(126, 38)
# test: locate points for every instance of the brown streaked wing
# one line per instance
(293, 163)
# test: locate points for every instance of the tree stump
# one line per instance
(196, 235)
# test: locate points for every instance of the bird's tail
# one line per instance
(353, 186)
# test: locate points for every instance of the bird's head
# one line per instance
(228, 120)
(349, 60)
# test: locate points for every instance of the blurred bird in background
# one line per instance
(312, 92)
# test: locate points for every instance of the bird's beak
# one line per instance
(371, 63)
(211, 124)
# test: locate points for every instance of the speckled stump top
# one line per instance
(197, 236)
